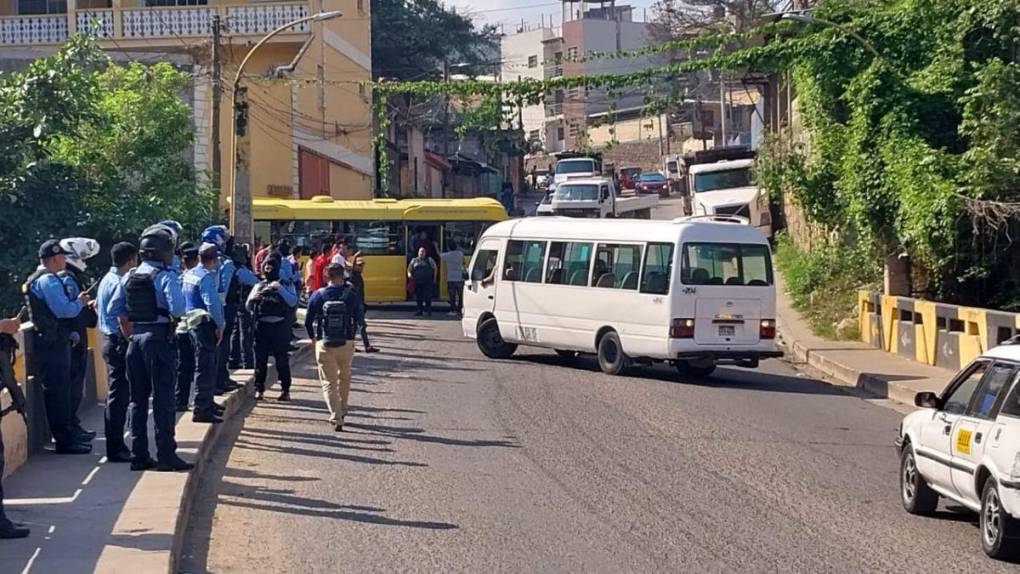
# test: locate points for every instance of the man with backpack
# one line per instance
(422, 271)
(333, 314)
(270, 305)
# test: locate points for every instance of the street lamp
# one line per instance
(245, 234)
(799, 17)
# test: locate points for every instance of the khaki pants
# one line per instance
(335, 376)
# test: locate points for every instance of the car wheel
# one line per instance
(686, 369)
(917, 497)
(612, 359)
(491, 343)
(999, 530)
(566, 354)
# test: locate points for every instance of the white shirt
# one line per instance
(454, 265)
(342, 262)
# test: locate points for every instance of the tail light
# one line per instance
(682, 329)
(767, 330)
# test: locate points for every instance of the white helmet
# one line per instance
(80, 249)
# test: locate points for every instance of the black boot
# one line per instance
(10, 531)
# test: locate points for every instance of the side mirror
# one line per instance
(927, 400)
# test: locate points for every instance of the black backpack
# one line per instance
(336, 323)
(271, 304)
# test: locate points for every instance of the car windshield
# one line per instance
(727, 179)
(574, 192)
(671, 166)
(585, 166)
(652, 177)
(630, 171)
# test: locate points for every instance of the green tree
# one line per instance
(411, 39)
(89, 148)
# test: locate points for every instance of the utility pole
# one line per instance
(446, 111)
(722, 106)
(217, 87)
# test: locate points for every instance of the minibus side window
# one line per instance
(568, 263)
(485, 262)
(524, 260)
(617, 266)
(658, 268)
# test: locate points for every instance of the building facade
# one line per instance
(309, 117)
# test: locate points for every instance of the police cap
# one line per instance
(189, 250)
(51, 247)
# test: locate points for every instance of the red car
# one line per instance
(653, 182)
(629, 177)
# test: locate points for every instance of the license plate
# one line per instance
(727, 330)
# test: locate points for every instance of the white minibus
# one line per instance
(695, 292)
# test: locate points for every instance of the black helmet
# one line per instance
(157, 244)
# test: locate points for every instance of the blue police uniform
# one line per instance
(200, 294)
(272, 332)
(79, 351)
(52, 310)
(229, 281)
(151, 354)
(242, 338)
(115, 344)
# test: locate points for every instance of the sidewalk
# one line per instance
(850, 363)
(88, 515)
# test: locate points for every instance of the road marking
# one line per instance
(88, 478)
(41, 501)
(31, 560)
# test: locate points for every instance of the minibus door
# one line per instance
(480, 289)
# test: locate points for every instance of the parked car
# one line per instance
(653, 182)
(964, 445)
(628, 177)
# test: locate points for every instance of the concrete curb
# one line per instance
(157, 510)
(818, 365)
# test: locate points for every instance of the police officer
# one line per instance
(79, 249)
(185, 353)
(150, 298)
(52, 310)
(204, 320)
(115, 344)
(230, 279)
(270, 303)
(8, 327)
(242, 339)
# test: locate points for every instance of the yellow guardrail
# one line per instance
(938, 334)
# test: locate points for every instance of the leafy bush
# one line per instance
(823, 282)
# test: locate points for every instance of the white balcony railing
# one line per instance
(99, 23)
(167, 22)
(43, 29)
(261, 19)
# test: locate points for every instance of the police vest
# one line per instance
(193, 293)
(271, 304)
(46, 323)
(140, 291)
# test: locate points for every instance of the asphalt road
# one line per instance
(457, 463)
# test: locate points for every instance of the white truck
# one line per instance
(574, 167)
(726, 188)
(597, 197)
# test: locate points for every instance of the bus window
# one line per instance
(617, 266)
(303, 233)
(485, 262)
(377, 237)
(658, 268)
(726, 264)
(465, 233)
(568, 263)
(524, 261)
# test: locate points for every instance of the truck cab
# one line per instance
(574, 168)
(727, 188)
(598, 197)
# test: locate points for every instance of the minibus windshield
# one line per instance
(726, 264)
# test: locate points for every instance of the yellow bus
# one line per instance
(385, 231)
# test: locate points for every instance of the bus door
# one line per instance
(429, 236)
(480, 291)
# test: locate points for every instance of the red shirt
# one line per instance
(317, 280)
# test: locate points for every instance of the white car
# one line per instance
(964, 445)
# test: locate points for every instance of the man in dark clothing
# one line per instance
(357, 282)
(269, 303)
(422, 271)
(8, 328)
(185, 352)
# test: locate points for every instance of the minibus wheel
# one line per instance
(686, 369)
(491, 343)
(612, 359)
